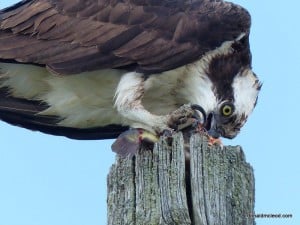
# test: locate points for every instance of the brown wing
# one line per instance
(73, 36)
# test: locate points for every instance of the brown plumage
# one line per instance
(132, 63)
(76, 36)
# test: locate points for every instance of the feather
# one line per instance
(26, 113)
(173, 33)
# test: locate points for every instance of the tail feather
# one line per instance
(25, 113)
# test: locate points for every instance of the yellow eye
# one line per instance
(227, 110)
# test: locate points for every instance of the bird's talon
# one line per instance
(201, 110)
(185, 116)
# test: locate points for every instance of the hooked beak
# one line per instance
(209, 121)
(211, 126)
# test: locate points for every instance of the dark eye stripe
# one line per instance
(230, 119)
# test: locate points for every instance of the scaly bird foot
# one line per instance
(185, 116)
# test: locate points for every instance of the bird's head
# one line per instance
(231, 112)
(225, 121)
(234, 87)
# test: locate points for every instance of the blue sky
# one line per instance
(48, 180)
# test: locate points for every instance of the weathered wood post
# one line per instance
(214, 187)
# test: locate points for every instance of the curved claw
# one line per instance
(200, 109)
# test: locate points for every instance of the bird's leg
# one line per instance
(128, 101)
(146, 126)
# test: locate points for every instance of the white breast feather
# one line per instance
(84, 100)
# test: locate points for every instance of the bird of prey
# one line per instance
(91, 69)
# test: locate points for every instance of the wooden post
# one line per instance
(158, 187)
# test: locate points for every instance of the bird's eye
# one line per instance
(227, 109)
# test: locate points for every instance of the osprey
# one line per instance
(90, 69)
